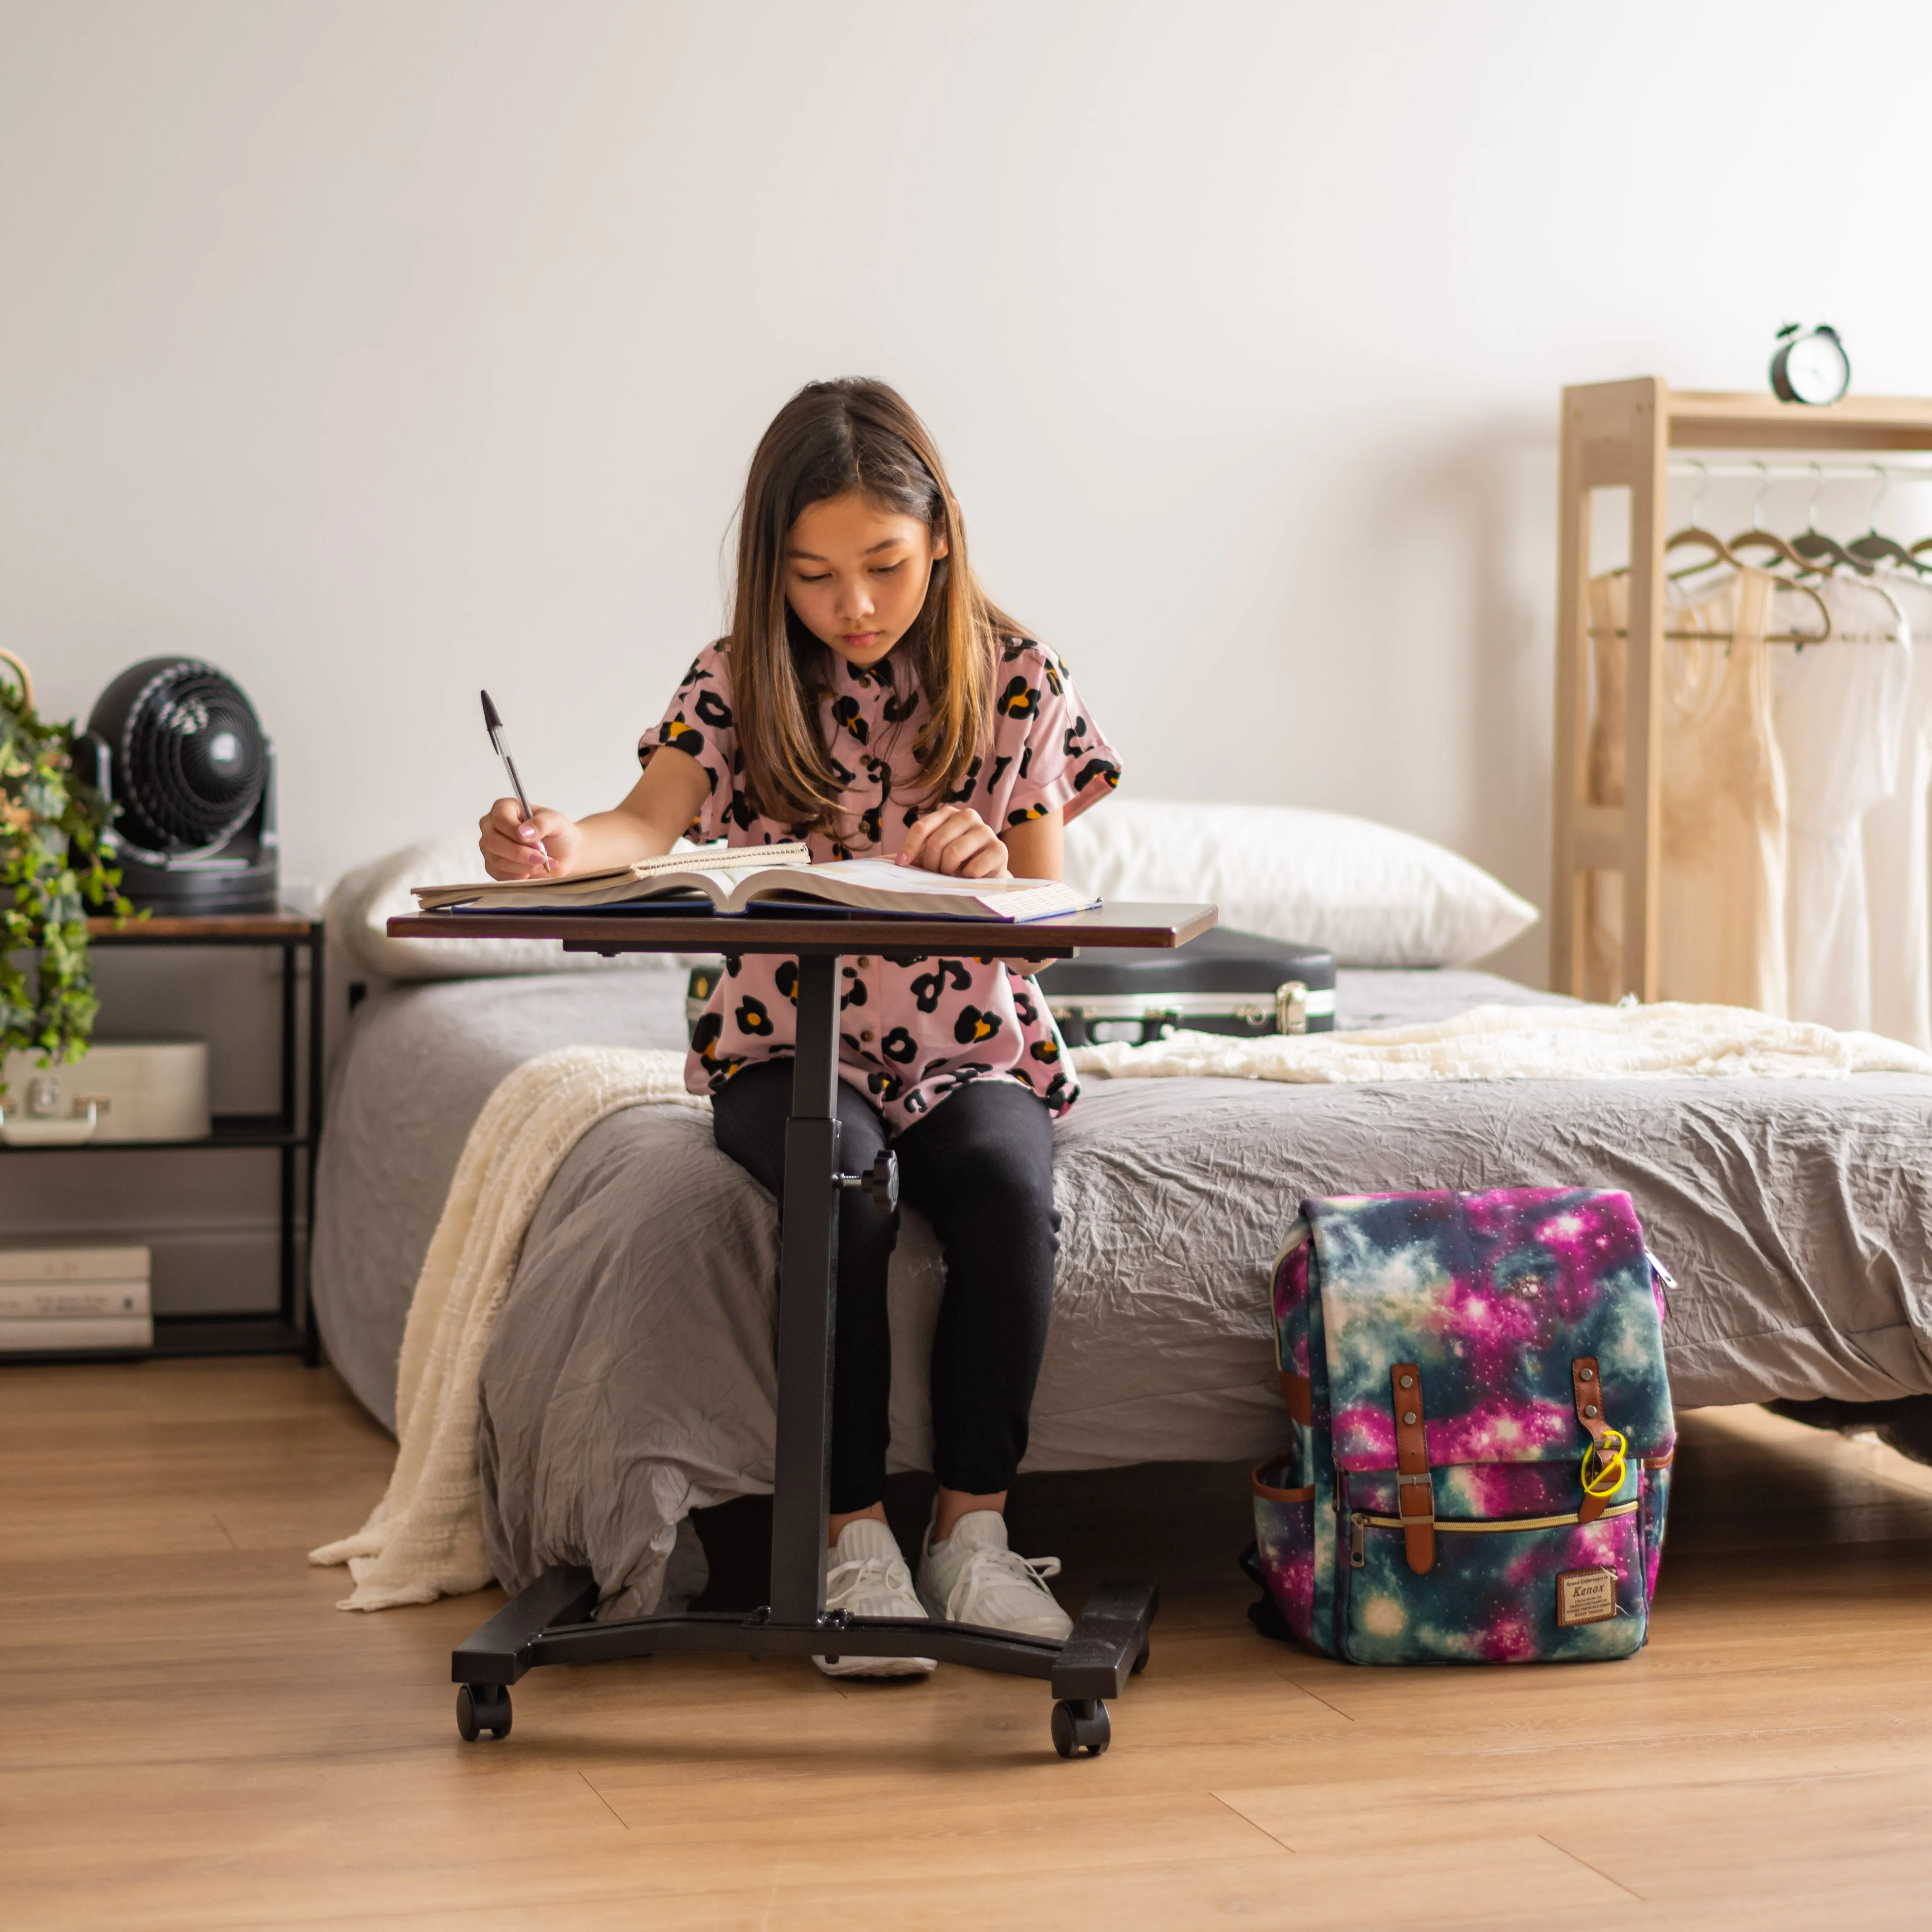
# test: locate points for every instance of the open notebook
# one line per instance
(734, 879)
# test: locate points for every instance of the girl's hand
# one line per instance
(544, 847)
(955, 839)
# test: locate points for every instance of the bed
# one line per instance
(630, 1379)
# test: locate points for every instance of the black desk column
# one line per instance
(808, 1279)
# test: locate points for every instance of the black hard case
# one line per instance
(1224, 982)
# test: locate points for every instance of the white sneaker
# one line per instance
(868, 1578)
(973, 1578)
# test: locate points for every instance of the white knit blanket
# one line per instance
(426, 1537)
(1524, 1042)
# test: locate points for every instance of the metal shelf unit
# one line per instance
(294, 1131)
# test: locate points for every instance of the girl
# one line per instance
(871, 700)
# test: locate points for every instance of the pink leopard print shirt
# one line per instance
(911, 1034)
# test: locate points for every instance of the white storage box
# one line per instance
(74, 1298)
(148, 1090)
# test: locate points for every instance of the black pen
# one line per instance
(495, 726)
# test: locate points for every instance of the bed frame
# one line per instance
(549, 1621)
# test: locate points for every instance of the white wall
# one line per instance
(378, 349)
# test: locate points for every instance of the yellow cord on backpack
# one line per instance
(1609, 1457)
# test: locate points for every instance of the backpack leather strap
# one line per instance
(1586, 1385)
(1299, 1393)
(1415, 1489)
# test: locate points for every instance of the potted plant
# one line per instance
(51, 871)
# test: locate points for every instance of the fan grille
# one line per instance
(193, 758)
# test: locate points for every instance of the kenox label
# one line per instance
(1585, 1597)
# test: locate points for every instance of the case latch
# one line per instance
(1291, 1006)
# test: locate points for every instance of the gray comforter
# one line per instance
(631, 1377)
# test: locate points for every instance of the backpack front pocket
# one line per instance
(1548, 1588)
(1285, 1540)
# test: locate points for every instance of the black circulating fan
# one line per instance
(177, 747)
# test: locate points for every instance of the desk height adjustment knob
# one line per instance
(879, 1182)
(882, 1183)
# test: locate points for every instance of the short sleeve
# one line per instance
(699, 724)
(1049, 755)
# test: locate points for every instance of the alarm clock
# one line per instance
(1810, 365)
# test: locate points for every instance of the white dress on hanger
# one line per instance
(1898, 846)
(1838, 708)
(1721, 895)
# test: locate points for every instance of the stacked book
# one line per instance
(739, 879)
(74, 1298)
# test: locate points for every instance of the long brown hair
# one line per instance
(831, 438)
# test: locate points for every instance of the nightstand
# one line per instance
(294, 1131)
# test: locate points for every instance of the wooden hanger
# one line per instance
(1814, 546)
(1758, 538)
(1694, 535)
(1873, 548)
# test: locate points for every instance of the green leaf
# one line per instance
(50, 871)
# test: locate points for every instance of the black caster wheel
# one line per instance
(481, 1708)
(1081, 1724)
(1140, 1662)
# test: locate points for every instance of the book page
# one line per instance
(881, 886)
(882, 875)
(722, 865)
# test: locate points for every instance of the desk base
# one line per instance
(546, 1624)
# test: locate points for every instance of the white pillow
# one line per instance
(1371, 896)
(366, 899)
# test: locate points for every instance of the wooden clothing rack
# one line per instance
(1619, 435)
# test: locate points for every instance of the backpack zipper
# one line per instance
(1361, 1521)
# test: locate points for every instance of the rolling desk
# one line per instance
(548, 1622)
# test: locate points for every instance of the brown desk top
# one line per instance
(615, 931)
(206, 925)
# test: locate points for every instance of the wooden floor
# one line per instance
(192, 1736)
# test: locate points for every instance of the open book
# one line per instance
(773, 877)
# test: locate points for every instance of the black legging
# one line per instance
(980, 1167)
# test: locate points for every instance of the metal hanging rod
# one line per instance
(1804, 472)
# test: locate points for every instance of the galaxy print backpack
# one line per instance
(1481, 1436)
